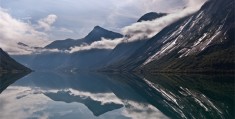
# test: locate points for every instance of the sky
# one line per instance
(39, 22)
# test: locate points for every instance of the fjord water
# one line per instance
(41, 95)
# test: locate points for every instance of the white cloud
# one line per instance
(102, 44)
(14, 30)
(148, 29)
(46, 23)
(129, 11)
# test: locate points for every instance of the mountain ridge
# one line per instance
(95, 35)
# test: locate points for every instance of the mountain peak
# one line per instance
(98, 32)
(151, 16)
(98, 28)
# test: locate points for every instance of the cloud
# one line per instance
(46, 23)
(13, 31)
(102, 44)
(144, 30)
(75, 14)
(148, 29)
(126, 12)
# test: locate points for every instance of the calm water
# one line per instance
(47, 95)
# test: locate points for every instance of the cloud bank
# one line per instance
(148, 29)
(102, 44)
(13, 31)
(144, 30)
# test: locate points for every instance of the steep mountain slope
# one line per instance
(125, 49)
(95, 35)
(7, 64)
(206, 44)
(198, 43)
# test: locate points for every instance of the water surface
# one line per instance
(50, 95)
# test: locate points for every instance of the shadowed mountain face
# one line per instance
(124, 95)
(125, 49)
(7, 64)
(203, 41)
(95, 35)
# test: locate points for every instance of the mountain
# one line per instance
(124, 50)
(206, 42)
(95, 35)
(202, 42)
(7, 64)
(151, 16)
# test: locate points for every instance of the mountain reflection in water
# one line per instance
(97, 95)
